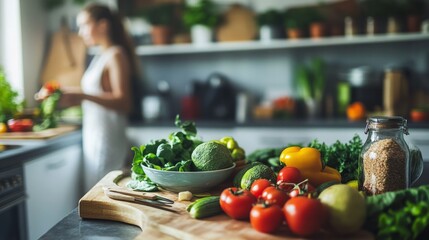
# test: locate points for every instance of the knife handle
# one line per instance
(118, 196)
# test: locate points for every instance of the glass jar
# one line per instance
(385, 158)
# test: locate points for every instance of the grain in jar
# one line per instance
(384, 160)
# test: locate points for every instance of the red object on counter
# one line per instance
(419, 116)
(190, 107)
(20, 125)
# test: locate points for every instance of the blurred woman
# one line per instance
(105, 92)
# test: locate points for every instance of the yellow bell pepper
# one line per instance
(309, 162)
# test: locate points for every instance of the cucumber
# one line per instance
(205, 207)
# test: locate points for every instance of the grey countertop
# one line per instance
(74, 227)
(26, 150)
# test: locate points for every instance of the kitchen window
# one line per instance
(10, 43)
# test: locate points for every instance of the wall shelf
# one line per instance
(151, 50)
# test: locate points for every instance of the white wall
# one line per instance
(12, 52)
(34, 38)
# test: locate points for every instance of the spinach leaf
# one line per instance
(171, 154)
(188, 127)
(145, 185)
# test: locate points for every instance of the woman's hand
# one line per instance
(71, 98)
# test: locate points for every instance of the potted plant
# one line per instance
(295, 21)
(160, 16)
(316, 23)
(311, 85)
(269, 24)
(201, 18)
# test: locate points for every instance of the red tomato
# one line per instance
(20, 125)
(289, 175)
(304, 215)
(295, 192)
(273, 195)
(258, 186)
(419, 116)
(266, 218)
(51, 86)
(236, 202)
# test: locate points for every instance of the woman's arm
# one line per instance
(116, 86)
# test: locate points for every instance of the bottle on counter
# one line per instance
(384, 163)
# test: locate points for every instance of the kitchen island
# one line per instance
(74, 227)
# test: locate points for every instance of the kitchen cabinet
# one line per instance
(53, 187)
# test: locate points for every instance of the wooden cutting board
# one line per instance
(156, 224)
(238, 25)
(44, 134)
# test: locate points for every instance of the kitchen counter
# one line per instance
(304, 123)
(25, 150)
(74, 227)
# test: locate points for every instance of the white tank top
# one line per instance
(105, 144)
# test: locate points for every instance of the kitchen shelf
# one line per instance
(151, 50)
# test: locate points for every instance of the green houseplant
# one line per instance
(295, 21)
(311, 85)
(269, 23)
(201, 18)
(9, 104)
(161, 17)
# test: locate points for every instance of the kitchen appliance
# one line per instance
(366, 87)
(395, 92)
(217, 98)
(12, 204)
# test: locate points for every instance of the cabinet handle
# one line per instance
(56, 165)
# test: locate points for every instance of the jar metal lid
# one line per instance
(382, 122)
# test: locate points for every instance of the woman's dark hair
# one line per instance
(117, 32)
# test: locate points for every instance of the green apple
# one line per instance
(346, 206)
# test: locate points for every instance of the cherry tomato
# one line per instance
(274, 195)
(236, 202)
(258, 186)
(290, 175)
(51, 86)
(304, 215)
(302, 189)
(20, 125)
(266, 218)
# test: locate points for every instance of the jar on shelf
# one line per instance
(384, 163)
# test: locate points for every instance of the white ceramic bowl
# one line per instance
(195, 182)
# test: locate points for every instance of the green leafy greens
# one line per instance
(402, 214)
(9, 104)
(172, 154)
(48, 112)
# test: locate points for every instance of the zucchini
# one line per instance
(204, 207)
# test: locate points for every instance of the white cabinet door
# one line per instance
(53, 185)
